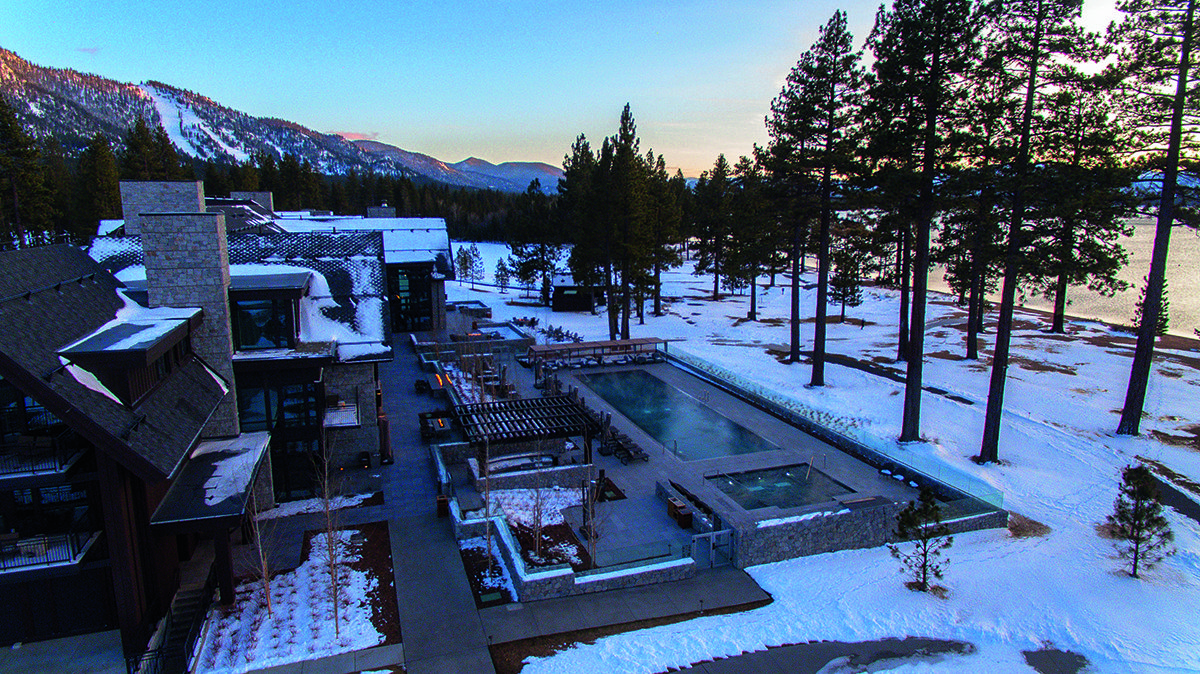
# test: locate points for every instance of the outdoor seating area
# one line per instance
(618, 444)
(546, 358)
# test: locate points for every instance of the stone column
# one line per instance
(187, 265)
(139, 198)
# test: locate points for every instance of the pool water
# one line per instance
(680, 422)
(782, 487)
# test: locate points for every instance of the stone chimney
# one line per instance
(264, 199)
(381, 211)
(138, 197)
(187, 265)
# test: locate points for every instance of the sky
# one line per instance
(506, 80)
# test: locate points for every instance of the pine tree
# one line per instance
(849, 255)
(1085, 198)
(814, 114)
(922, 50)
(99, 183)
(1034, 36)
(1157, 40)
(1143, 535)
(535, 239)
(24, 200)
(501, 275)
(921, 523)
(1164, 318)
(714, 223)
(750, 243)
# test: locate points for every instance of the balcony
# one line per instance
(48, 450)
(20, 553)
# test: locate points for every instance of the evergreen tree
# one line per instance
(970, 240)
(1157, 40)
(665, 211)
(750, 242)
(849, 255)
(921, 523)
(24, 200)
(60, 187)
(814, 114)
(1142, 535)
(1164, 318)
(627, 194)
(501, 275)
(923, 48)
(1034, 36)
(535, 239)
(714, 223)
(1084, 196)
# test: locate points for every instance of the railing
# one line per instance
(36, 454)
(174, 657)
(44, 549)
(633, 556)
(884, 456)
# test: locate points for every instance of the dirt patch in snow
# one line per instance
(478, 567)
(1020, 526)
(559, 546)
(1190, 439)
(375, 558)
(1041, 366)
(509, 658)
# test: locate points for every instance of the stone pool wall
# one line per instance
(567, 477)
(814, 534)
(845, 529)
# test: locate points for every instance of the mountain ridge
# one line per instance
(72, 106)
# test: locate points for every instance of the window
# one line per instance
(263, 324)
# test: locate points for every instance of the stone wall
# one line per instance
(139, 198)
(567, 477)
(187, 265)
(842, 530)
(353, 382)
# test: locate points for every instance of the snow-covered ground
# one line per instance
(300, 625)
(1061, 465)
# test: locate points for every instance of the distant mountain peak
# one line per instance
(72, 107)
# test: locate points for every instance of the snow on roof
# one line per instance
(109, 226)
(404, 239)
(233, 462)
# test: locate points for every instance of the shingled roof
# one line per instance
(55, 295)
(351, 263)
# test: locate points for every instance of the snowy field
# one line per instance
(1061, 465)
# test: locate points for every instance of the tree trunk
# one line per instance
(1066, 247)
(818, 358)
(753, 315)
(910, 430)
(902, 343)
(989, 447)
(794, 352)
(1143, 356)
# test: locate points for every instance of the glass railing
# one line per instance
(634, 556)
(879, 452)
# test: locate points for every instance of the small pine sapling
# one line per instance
(921, 523)
(1142, 535)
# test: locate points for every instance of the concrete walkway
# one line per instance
(441, 629)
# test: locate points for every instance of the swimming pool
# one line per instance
(782, 487)
(680, 422)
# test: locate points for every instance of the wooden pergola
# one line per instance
(601, 349)
(522, 419)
